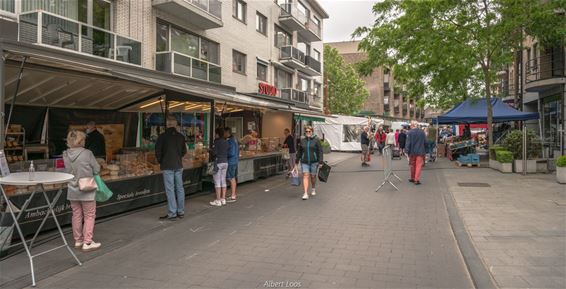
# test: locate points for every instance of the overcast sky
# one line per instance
(345, 17)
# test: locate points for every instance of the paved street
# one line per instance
(348, 236)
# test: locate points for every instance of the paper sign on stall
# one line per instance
(4, 168)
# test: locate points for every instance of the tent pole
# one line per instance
(2, 98)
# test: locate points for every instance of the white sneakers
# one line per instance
(223, 202)
(90, 247)
(305, 196)
(216, 203)
(313, 192)
(78, 245)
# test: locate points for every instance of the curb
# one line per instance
(479, 274)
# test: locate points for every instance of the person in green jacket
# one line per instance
(309, 154)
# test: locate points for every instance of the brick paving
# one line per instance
(348, 236)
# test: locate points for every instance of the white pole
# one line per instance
(524, 149)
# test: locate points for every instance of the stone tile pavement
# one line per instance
(518, 225)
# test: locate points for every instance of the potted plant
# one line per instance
(493, 162)
(505, 161)
(513, 142)
(325, 146)
(561, 169)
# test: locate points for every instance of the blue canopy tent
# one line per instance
(475, 111)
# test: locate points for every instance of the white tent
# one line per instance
(343, 132)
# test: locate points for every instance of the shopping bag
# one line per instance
(295, 178)
(285, 154)
(211, 168)
(103, 193)
(324, 172)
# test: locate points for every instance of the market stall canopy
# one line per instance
(475, 111)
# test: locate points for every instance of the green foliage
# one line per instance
(561, 162)
(504, 156)
(448, 51)
(493, 149)
(513, 142)
(325, 144)
(346, 90)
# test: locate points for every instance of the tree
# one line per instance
(346, 91)
(450, 50)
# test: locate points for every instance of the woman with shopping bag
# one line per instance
(309, 155)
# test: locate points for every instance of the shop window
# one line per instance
(283, 79)
(261, 71)
(240, 8)
(8, 5)
(238, 62)
(261, 23)
(282, 38)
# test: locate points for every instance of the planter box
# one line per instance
(502, 167)
(561, 175)
(326, 150)
(531, 166)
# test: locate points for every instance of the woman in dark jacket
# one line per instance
(221, 159)
(402, 140)
(309, 154)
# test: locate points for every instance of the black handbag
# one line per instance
(324, 172)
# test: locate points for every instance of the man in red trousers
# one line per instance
(416, 149)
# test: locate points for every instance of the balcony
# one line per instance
(64, 33)
(291, 17)
(311, 32)
(545, 71)
(294, 95)
(205, 14)
(184, 65)
(312, 67)
(292, 57)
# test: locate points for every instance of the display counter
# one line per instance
(253, 166)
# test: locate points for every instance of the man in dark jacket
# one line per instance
(95, 141)
(365, 146)
(416, 149)
(309, 154)
(169, 151)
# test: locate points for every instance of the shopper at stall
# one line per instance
(81, 163)
(233, 159)
(169, 151)
(310, 156)
(365, 146)
(397, 137)
(95, 141)
(221, 148)
(390, 138)
(250, 140)
(289, 143)
(416, 149)
(431, 135)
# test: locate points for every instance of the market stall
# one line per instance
(343, 132)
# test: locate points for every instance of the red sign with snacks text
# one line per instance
(267, 89)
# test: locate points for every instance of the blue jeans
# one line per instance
(311, 169)
(430, 144)
(173, 181)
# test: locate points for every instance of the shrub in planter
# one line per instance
(561, 169)
(325, 146)
(493, 149)
(503, 156)
(513, 142)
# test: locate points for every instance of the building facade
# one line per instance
(386, 98)
(536, 82)
(252, 46)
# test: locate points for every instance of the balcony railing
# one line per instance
(291, 9)
(310, 25)
(313, 63)
(546, 66)
(290, 52)
(213, 7)
(46, 28)
(295, 95)
(185, 65)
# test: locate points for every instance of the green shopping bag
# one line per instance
(103, 193)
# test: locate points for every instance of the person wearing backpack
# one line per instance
(309, 154)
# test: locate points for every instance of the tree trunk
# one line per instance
(488, 106)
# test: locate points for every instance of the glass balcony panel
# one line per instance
(59, 32)
(128, 50)
(8, 5)
(215, 73)
(163, 62)
(200, 69)
(182, 64)
(28, 27)
(97, 42)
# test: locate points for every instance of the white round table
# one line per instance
(45, 178)
(40, 179)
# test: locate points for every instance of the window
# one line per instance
(304, 47)
(261, 71)
(282, 38)
(316, 54)
(316, 91)
(261, 23)
(240, 10)
(8, 5)
(162, 37)
(209, 51)
(184, 42)
(283, 79)
(238, 62)
(98, 15)
(303, 9)
(101, 14)
(304, 84)
(316, 21)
